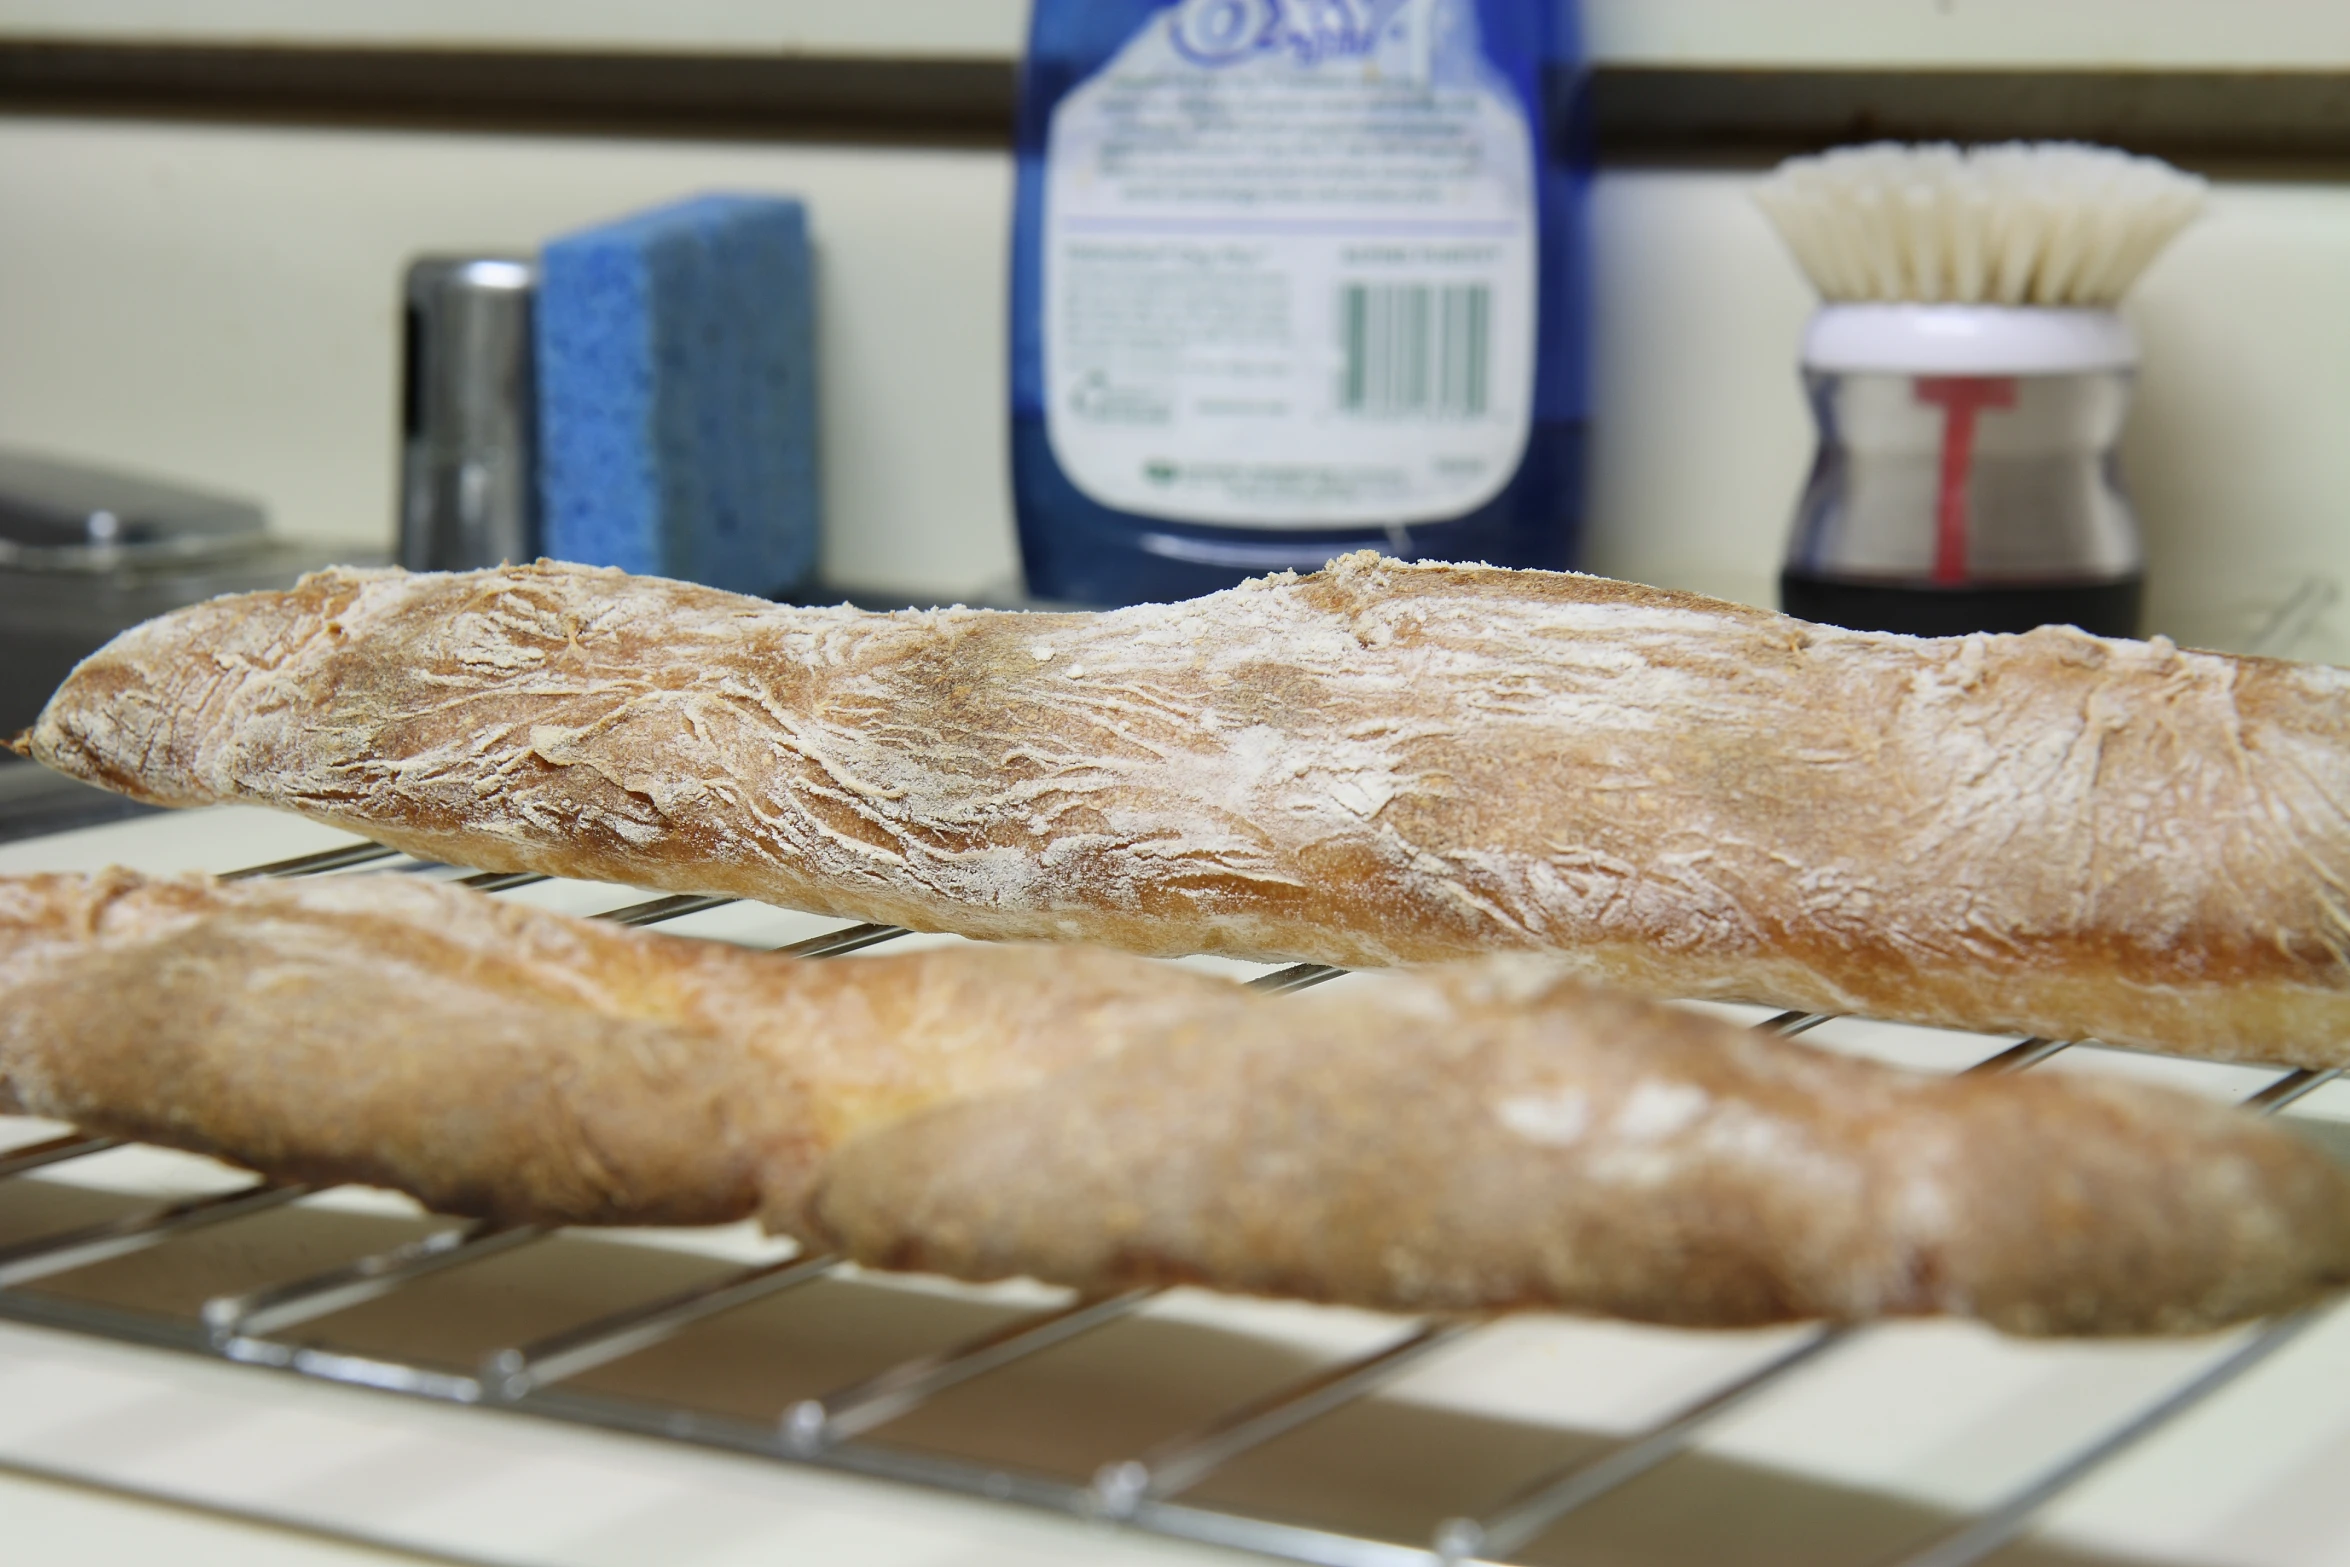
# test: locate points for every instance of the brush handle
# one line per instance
(1965, 450)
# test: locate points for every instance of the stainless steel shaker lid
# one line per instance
(63, 516)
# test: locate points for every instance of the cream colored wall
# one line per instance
(218, 304)
(1699, 435)
(2289, 34)
(2194, 34)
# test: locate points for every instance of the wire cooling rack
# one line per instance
(1152, 1489)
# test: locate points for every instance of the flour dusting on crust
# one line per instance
(1375, 763)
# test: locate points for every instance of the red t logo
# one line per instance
(1961, 398)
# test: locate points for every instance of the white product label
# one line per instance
(1289, 267)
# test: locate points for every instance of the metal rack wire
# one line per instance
(1145, 1491)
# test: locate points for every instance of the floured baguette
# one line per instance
(1482, 1137)
(1379, 763)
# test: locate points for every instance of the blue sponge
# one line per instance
(677, 398)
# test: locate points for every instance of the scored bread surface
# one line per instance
(1481, 1136)
(1378, 763)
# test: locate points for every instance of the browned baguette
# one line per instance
(1482, 1137)
(1378, 763)
(490, 1058)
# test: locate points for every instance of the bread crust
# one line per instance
(1483, 1136)
(1378, 763)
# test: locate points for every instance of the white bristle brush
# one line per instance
(2021, 223)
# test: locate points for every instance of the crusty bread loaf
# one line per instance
(1480, 1137)
(1378, 763)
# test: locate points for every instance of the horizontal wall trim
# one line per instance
(2189, 116)
(1639, 113)
(723, 96)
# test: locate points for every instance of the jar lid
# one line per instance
(72, 517)
(1967, 340)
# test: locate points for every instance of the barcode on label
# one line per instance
(1414, 348)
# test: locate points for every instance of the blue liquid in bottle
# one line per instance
(1293, 278)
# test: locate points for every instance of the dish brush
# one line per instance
(2019, 223)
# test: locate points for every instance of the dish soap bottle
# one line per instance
(1293, 278)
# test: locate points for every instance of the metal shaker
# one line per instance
(468, 461)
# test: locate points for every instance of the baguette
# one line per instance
(1379, 763)
(1482, 1137)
